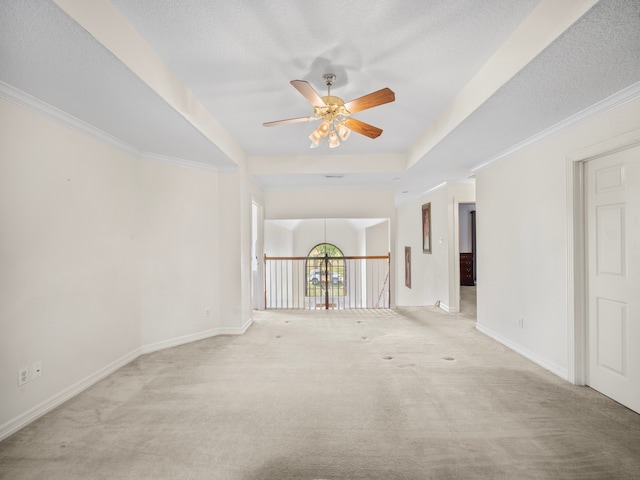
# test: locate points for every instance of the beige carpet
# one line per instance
(407, 394)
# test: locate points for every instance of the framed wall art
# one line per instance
(426, 228)
(407, 267)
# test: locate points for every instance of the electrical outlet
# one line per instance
(521, 323)
(23, 375)
(207, 311)
(36, 370)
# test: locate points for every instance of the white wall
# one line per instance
(377, 239)
(104, 256)
(351, 236)
(432, 275)
(362, 242)
(278, 240)
(336, 231)
(69, 258)
(179, 234)
(297, 238)
(377, 275)
(332, 204)
(522, 239)
(329, 203)
(234, 252)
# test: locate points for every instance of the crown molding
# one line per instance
(39, 107)
(31, 103)
(181, 162)
(400, 202)
(610, 103)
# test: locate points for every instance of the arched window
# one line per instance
(325, 269)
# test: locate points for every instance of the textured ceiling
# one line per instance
(48, 55)
(240, 56)
(236, 59)
(597, 57)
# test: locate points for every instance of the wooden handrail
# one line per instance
(327, 276)
(363, 257)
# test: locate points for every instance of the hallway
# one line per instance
(412, 393)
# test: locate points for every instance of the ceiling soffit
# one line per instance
(196, 80)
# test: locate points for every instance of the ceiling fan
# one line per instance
(335, 113)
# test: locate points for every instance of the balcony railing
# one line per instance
(311, 283)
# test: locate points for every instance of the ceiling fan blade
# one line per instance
(289, 120)
(308, 92)
(362, 128)
(371, 100)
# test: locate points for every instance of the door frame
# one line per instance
(577, 334)
(257, 254)
(454, 251)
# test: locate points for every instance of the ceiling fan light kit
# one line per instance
(335, 114)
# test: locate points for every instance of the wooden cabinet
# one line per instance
(466, 269)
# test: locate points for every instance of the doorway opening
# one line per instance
(467, 243)
(467, 256)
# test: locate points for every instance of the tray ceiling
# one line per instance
(194, 81)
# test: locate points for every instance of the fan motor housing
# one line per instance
(333, 107)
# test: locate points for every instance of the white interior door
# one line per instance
(613, 249)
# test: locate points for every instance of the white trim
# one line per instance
(110, 28)
(310, 188)
(412, 197)
(181, 162)
(36, 412)
(194, 337)
(177, 341)
(238, 331)
(31, 103)
(577, 294)
(24, 419)
(39, 107)
(576, 321)
(433, 189)
(607, 147)
(444, 307)
(537, 359)
(612, 102)
(453, 260)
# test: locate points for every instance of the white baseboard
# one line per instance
(24, 419)
(246, 326)
(535, 358)
(174, 342)
(194, 337)
(36, 412)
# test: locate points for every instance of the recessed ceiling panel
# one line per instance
(594, 59)
(238, 58)
(48, 55)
